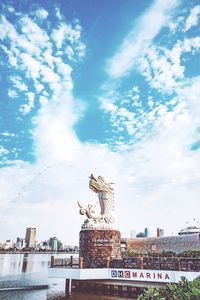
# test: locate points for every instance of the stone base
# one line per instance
(98, 247)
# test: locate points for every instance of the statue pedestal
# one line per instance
(98, 246)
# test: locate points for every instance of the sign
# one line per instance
(142, 275)
(122, 274)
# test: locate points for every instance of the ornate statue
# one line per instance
(105, 193)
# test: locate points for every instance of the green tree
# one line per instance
(184, 290)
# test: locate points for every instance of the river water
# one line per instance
(17, 270)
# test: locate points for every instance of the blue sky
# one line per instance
(110, 87)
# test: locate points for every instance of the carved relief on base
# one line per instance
(98, 223)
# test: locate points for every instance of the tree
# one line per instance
(184, 290)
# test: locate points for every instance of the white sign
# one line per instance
(142, 275)
(162, 276)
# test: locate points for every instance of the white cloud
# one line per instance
(48, 74)
(140, 37)
(135, 89)
(69, 51)
(25, 45)
(191, 44)
(26, 108)
(65, 33)
(177, 24)
(163, 68)
(38, 86)
(41, 13)
(54, 129)
(3, 151)
(43, 100)
(48, 57)
(64, 70)
(36, 35)
(81, 50)
(18, 84)
(11, 57)
(31, 65)
(105, 104)
(12, 93)
(31, 51)
(7, 134)
(58, 13)
(193, 18)
(6, 29)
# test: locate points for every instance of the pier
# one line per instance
(119, 281)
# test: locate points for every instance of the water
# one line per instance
(31, 269)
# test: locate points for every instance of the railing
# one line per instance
(69, 262)
(158, 263)
(141, 262)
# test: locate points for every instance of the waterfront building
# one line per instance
(30, 237)
(8, 244)
(178, 243)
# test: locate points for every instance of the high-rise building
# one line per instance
(20, 243)
(53, 243)
(30, 237)
(146, 232)
(160, 232)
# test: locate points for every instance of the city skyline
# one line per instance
(30, 243)
(110, 88)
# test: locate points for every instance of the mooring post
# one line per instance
(141, 262)
(81, 262)
(179, 264)
(108, 262)
(52, 261)
(71, 261)
(68, 287)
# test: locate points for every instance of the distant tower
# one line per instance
(30, 237)
(160, 232)
(146, 232)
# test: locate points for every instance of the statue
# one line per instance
(105, 192)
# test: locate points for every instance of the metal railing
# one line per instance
(141, 262)
(158, 263)
(69, 262)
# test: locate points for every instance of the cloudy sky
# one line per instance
(104, 87)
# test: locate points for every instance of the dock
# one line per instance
(115, 281)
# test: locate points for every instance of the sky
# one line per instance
(104, 87)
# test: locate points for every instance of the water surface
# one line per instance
(18, 270)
